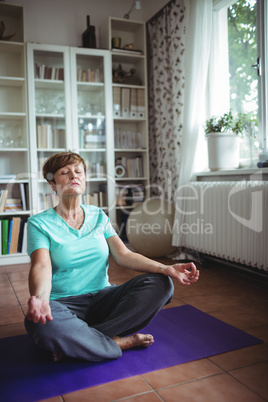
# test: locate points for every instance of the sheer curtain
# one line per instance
(166, 34)
(198, 45)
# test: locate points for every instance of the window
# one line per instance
(238, 68)
(244, 70)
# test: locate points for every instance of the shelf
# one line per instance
(129, 119)
(11, 47)
(96, 179)
(12, 115)
(46, 84)
(14, 213)
(87, 84)
(50, 115)
(92, 150)
(130, 150)
(115, 84)
(12, 81)
(127, 57)
(18, 258)
(131, 178)
(13, 150)
(54, 150)
(15, 181)
(129, 31)
(91, 116)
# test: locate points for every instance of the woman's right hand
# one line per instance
(38, 310)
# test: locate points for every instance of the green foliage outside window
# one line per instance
(242, 36)
(242, 42)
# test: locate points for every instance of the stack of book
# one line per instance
(89, 75)
(133, 166)
(48, 137)
(127, 139)
(128, 102)
(48, 73)
(13, 236)
(16, 203)
(47, 201)
(97, 198)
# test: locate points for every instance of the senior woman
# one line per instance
(73, 310)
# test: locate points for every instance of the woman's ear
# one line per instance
(53, 185)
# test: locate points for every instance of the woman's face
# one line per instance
(70, 180)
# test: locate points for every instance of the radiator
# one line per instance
(228, 220)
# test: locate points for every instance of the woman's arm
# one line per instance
(40, 287)
(186, 274)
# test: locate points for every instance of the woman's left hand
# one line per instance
(186, 274)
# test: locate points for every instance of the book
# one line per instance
(140, 103)
(14, 235)
(58, 138)
(9, 236)
(133, 102)
(23, 196)
(13, 204)
(4, 224)
(125, 99)
(3, 198)
(24, 239)
(21, 234)
(116, 101)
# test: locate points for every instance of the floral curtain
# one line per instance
(166, 33)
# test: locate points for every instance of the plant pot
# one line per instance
(223, 151)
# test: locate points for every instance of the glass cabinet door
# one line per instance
(49, 110)
(90, 97)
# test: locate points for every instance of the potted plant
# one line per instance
(222, 133)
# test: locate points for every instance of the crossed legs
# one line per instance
(99, 326)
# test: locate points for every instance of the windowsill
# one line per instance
(233, 175)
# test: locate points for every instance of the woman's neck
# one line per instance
(71, 213)
(69, 207)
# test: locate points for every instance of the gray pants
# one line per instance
(83, 326)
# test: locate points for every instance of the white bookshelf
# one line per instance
(55, 98)
(130, 118)
(14, 146)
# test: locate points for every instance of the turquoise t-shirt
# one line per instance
(79, 257)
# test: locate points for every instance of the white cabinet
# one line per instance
(130, 118)
(90, 101)
(70, 109)
(14, 158)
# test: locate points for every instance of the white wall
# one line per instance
(62, 22)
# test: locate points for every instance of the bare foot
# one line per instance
(133, 341)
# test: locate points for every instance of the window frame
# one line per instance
(219, 65)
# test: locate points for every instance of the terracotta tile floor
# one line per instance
(238, 299)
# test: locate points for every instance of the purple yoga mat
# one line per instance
(182, 334)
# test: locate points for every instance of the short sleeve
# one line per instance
(108, 230)
(36, 238)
